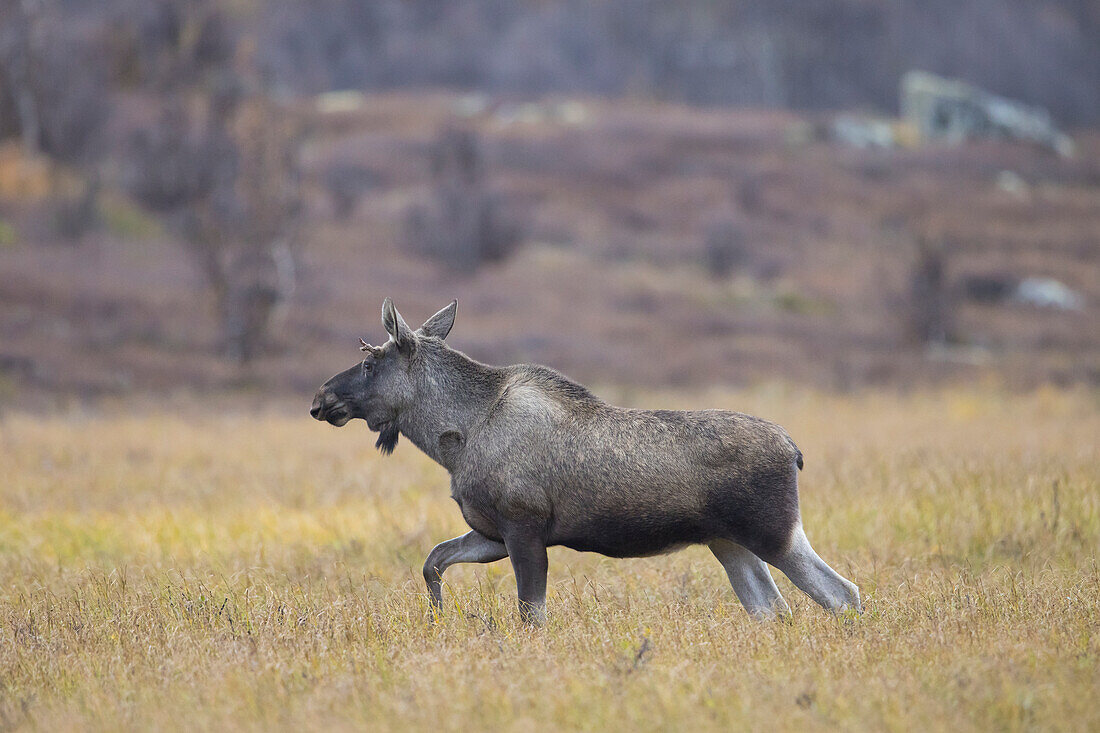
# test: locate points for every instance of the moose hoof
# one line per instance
(533, 614)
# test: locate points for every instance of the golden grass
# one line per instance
(259, 572)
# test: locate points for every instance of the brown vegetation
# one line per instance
(609, 283)
(590, 235)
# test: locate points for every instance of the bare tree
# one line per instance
(17, 21)
(723, 247)
(54, 85)
(221, 166)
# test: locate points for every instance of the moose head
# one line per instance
(383, 386)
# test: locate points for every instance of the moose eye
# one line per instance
(367, 367)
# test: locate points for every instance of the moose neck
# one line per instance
(454, 394)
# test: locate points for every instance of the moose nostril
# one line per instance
(315, 410)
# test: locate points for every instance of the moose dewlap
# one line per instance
(537, 460)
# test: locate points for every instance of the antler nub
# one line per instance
(375, 351)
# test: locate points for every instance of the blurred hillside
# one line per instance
(801, 54)
(197, 209)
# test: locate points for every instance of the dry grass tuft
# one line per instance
(260, 572)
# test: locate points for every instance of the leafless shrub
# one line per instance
(931, 302)
(989, 288)
(723, 248)
(346, 184)
(163, 44)
(463, 223)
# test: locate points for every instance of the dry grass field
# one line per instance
(211, 567)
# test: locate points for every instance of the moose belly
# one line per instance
(634, 536)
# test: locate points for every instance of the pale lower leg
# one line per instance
(814, 577)
(751, 580)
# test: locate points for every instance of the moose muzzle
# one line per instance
(327, 407)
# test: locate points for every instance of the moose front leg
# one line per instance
(470, 547)
(527, 550)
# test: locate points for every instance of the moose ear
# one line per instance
(440, 324)
(395, 326)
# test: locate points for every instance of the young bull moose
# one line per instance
(537, 460)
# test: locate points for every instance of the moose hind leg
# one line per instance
(814, 577)
(470, 547)
(751, 580)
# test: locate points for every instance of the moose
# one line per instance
(536, 460)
